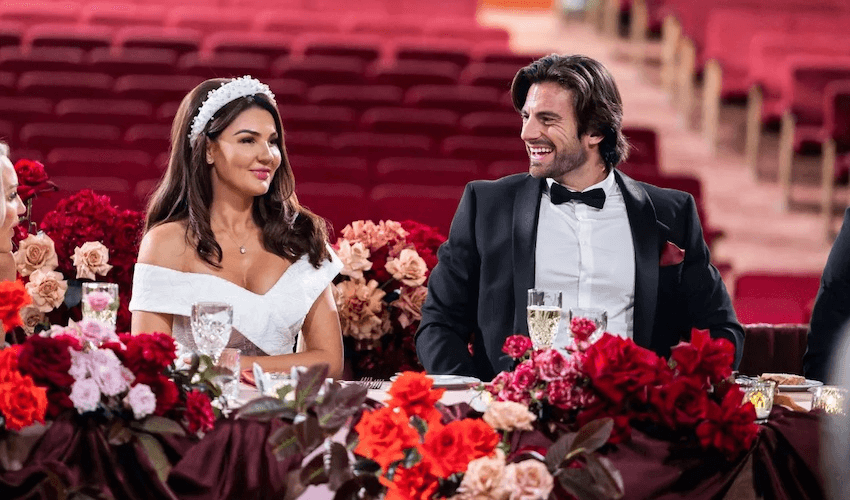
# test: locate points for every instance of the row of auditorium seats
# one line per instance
(787, 59)
(765, 297)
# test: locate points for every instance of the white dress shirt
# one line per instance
(589, 255)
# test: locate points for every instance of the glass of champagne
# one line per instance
(212, 323)
(598, 316)
(544, 316)
(100, 302)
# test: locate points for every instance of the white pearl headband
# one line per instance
(218, 98)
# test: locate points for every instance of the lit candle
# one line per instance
(830, 399)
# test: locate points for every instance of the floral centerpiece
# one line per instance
(380, 292)
(689, 398)
(84, 238)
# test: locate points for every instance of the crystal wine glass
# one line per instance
(544, 316)
(598, 316)
(212, 323)
(100, 302)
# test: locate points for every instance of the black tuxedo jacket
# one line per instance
(832, 307)
(478, 290)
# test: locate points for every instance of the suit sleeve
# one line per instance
(450, 309)
(832, 307)
(709, 304)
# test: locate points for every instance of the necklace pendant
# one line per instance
(242, 249)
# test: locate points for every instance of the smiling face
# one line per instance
(550, 132)
(12, 204)
(245, 156)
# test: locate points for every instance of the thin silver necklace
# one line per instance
(242, 248)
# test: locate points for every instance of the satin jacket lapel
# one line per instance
(644, 227)
(526, 210)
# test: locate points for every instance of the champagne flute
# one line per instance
(212, 323)
(544, 316)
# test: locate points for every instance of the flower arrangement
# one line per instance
(22, 403)
(381, 290)
(690, 397)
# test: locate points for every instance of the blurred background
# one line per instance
(391, 106)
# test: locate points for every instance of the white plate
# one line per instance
(800, 388)
(448, 381)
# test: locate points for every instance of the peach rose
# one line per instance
(90, 259)
(528, 480)
(355, 259)
(36, 251)
(360, 230)
(362, 312)
(483, 479)
(47, 289)
(509, 416)
(410, 303)
(31, 317)
(409, 268)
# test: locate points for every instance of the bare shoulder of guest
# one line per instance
(165, 245)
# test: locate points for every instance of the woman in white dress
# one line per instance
(10, 208)
(224, 225)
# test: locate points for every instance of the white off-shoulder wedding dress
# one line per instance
(266, 324)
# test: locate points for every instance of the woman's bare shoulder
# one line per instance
(166, 245)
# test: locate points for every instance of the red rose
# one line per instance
(517, 346)
(447, 449)
(412, 393)
(582, 328)
(704, 357)
(13, 296)
(550, 364)
(165, 390)
(148, 353)
(415, 483)
(32, 179)
(730, 426)
(558, 393)
(384, 434)
(618, 368)
(9, 362)
(481, 437)
(21, 402)
(47, 360)
(524, 376)
(513, 393)
(681, 403)
(199, 412)
(499, 382)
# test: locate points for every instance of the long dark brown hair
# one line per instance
(597, 102)
(185, 191)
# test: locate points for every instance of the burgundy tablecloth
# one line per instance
(234, 461)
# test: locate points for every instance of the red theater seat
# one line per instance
(133, 61)
(155, 88)
(320, 70)
(644, 149)
(773, 310)
(332, 119)
(331, 169)
(425, 171)
(64, 85)
(389, 27)
(465, 29)
(406, 74)
(338, 203)
(119, 15)
(492, 124)
(8, 83)
(760, 292)
(20, 59)
(431, 122)
(502, 168)
(498, 76)
(210, 19)
(432, 205)
(153, 139)
(359, 97)
(272, 45)
(287, 91)
(81, 36)
(483, 149)
(226, 65)
(126, 164)
(123, 113)
(40, 12)
(119, 190)
(181, 40)
(365, 47)
(295, 22)
(432, 49)
(376, 146)
(308, 143)
(457, 98)
(25, 109)
(11, 33)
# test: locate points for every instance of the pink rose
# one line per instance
(524, 376)
(483, 479)
(517, 346)
(582, 328)
(410, 303)
(141, 400)
(362, 312)
(528, 480)
(37, 251)
(558, 393)
(96, 332)
(111, 381)
(550, 364)
(354, 257)
(409, 268)
(499, 382)
(47, 289)
(508, 416)
(512, 393)
(31, 317)
(99, 301)
(85, 395)
(90, 259)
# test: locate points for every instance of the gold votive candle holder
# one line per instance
(830, 399)
(760, 394)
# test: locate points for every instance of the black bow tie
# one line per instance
(594, 198)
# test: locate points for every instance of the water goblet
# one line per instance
(100, 302)
(544, 316)
(211, 327)
(599, 317)
(230, 370)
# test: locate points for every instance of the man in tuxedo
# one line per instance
(573, 223)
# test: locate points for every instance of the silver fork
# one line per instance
(370, 382)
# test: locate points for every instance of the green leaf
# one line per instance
(294, 487)
(265, 408)
(360, 488)
(593, 435)
(159, 425)
(558, 451)
(337, 467)
(420, 425)
(156, 455)
(302, 437)
(340, 405)
(283, 391)
(607, 478)
(366, 467)
(314, 472)
(598, 480)
(411, 457)
(308, 386)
